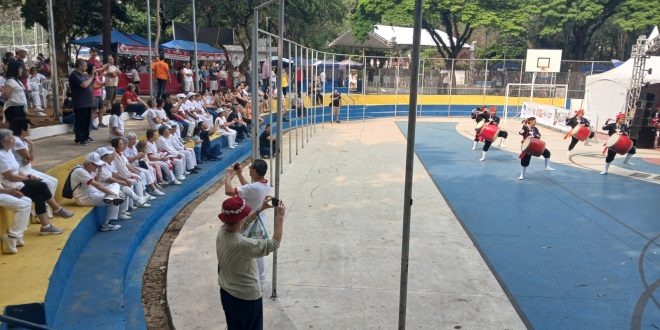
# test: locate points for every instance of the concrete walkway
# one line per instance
(339, 263)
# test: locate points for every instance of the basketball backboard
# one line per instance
(543, 60)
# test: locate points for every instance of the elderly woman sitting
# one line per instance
(29, 185)
(24, 152)
(138, 158)
(144, 180)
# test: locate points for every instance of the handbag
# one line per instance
(256, 229)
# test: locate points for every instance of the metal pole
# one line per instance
(421, 106)
(410, 154)
(348, 108)
(194, 19)
(53, 61)
(292, 88)
(483, 97)
(151, 73)
(297, 117)
(280, 54)
(255, 82)
(451, 84)
(396, 86)
(323, 91)
(364, 84)
(332, 92)
(307, 119)
(270, 102)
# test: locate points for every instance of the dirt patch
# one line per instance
(154, 282)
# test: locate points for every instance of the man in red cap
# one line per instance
(618, 126)
(578, 119)
(238, 274)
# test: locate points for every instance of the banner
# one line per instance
(546, 115)
(177, 55)
(204, 56)
(135, 50)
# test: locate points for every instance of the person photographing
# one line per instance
(238, 274)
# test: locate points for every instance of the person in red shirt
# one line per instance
(132, 103)
(93, 59)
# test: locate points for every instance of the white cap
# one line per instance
(94, 158)
(103, 151)
(178, 96)
(190, 94)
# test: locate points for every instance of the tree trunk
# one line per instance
(157, 25)
(107, 28)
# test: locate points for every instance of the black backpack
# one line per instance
(67, 192)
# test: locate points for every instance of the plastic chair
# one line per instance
(45, 92)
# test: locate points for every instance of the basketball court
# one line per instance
(562, 249)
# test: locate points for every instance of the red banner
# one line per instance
(136, 50)
(177, 55)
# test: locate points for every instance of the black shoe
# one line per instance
(193, 171)
(94, 128)
(82, 143)
(90, 139)
(197, 167)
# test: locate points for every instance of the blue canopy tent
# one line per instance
(596, 68)
(116, 37)
(190, 46)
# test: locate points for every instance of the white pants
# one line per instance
(164, 169)
(188, 86)
(50, 181)
(36, 98)
(179, 166)
(231, 135)
(21, 207)
(147, 176)
(189, 156)
(96, 199)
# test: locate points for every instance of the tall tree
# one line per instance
(107, 27)
(569, 24)
(457, 18)
(71, 22)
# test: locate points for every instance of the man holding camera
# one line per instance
(254, 193)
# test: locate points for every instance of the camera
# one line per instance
(237, 166)
(275, 202)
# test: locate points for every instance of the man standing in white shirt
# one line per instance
(187, 78)
(254, 194)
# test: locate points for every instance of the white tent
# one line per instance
(391, 37)
(605, 93)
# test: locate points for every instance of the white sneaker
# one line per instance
(232, 147)
(20, 241)
(181, 177)
(185, 173)
(151, 197)
(521, 177)
(482, 159)
(40, 113)
(176, 182)
(109, 227)
(603, 173)
(142, 202)
(8, 244)
(124, 217)
(158, 192)
(629, 163)
(548, 168)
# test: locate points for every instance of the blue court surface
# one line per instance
(572, 249)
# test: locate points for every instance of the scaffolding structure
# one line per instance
(13, 35)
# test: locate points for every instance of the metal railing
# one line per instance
(14, 322)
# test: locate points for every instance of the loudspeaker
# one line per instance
(645, 136)
(649, 97)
